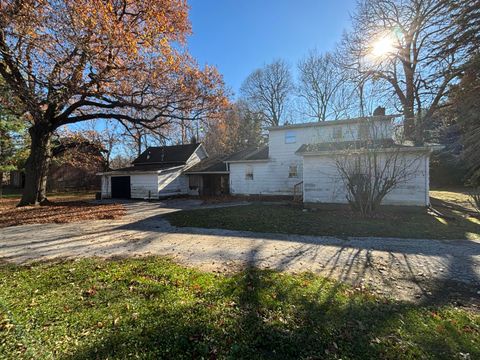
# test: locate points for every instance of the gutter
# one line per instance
(206, 172)
(133, 172)
(247, 161)
(360, 151)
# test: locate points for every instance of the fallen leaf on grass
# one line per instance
(57, 212)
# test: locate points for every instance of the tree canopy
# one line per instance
(69, 61)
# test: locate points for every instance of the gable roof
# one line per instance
(214, 164)
(171, 155)
(218, 164)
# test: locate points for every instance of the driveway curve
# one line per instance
(410, 269)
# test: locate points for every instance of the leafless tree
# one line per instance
(267, 91)
(320, 82)
(398, 41)
(372, 167)
(466, 22)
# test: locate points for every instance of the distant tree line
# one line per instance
(418, 58)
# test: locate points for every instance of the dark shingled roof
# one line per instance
(147, 167)
(252, 153)
(171, 155)
(218, 163)
(349, 145)
(209, 165)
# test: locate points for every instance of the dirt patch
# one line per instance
(57, 212)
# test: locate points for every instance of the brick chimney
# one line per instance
(379, 111)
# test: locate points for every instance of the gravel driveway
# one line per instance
(418, 270)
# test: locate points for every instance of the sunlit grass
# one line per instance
(153, 308)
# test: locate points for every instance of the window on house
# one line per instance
(290, 137)
(293, 171)
(337, 132)
(249, 172)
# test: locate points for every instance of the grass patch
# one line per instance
(153, 308)
(455, 221)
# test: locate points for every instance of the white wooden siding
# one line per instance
(322, 183)
(106, 187)
(271, 178)
(155, 185)
(143, 186)
(172, 183)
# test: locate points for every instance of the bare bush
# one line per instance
(475, 199)
(373, 167)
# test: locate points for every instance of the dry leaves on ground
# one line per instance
(57, 212)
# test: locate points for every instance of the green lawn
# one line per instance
(152, 308)
(333, 221)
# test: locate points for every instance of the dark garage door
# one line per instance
(121, 187)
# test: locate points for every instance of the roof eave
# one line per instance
(352, 151)
(206, 172)
(247, 161)
(129, 172)
(334, 122)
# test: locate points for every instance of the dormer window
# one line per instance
(290, 137)
(337, 133)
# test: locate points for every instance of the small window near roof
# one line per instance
(290, 137)
(337, 132)
(293, 171)
(249, 172)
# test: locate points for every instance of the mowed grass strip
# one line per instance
(152, 308)
(332, 221)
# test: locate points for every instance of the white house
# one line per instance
(302, 156)
(157, 172)
(299, 159)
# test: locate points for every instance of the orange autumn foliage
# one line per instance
(69, 61)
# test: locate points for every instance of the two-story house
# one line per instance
(302, 158)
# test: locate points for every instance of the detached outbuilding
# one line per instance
(158, 172)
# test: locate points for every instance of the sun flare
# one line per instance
(383, 46)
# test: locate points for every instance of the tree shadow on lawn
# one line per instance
(349, 260)
(267, 315)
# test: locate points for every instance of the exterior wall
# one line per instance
(322, 183)
(172, 183)
(150, 186)
(196, 157)
(106, 187)
(143, 185)
(272, 177)
(154, 186)
(269, 178)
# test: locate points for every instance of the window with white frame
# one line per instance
(290, 137)
(293, 171)
(249, 172)
(337, 132)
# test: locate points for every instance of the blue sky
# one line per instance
(239, 36)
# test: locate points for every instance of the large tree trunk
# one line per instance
(36, 167)
(409, 102)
